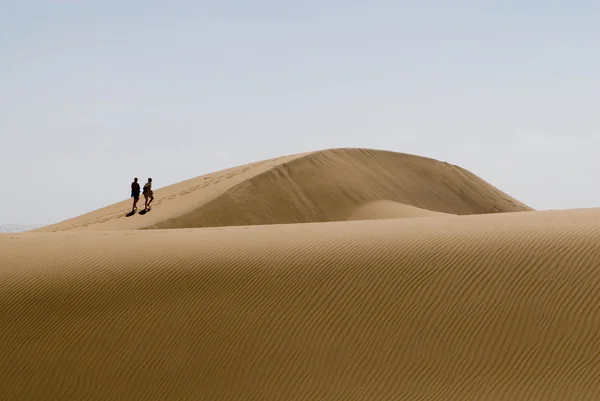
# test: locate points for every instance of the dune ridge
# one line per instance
(317, 186)
(487, 307)
(384, 209)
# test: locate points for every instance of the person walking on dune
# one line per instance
(148, 194)
(135, 193)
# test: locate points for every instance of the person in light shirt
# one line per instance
(148, 194)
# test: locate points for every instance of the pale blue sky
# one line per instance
(93, 93)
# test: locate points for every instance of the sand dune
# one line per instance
(487, 307)
(310, 187)
(395, 277)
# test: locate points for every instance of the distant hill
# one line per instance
(16, 228)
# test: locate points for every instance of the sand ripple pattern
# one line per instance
(492, 307)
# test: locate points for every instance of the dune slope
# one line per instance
(311, 187)
(488, 307)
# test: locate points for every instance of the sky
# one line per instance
(93, 93)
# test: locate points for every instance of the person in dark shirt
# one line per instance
(135, 193)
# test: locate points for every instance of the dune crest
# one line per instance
(310, 187)
(385, 209)
(487, 307)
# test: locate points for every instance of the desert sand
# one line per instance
(346, 274)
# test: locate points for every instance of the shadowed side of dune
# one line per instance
(329, 185)
(493, 307)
